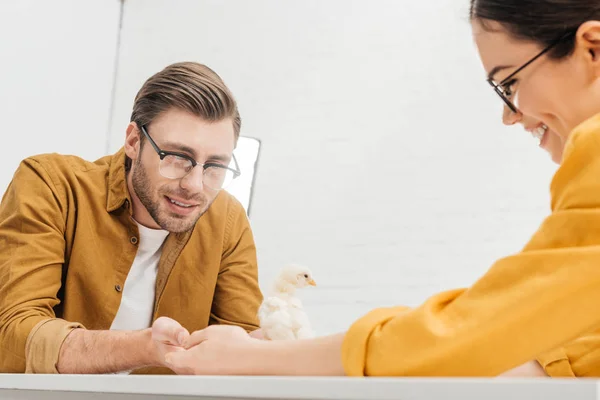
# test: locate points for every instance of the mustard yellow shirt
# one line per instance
(541, 303)
(68, 240)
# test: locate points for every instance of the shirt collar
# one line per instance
(117, 192)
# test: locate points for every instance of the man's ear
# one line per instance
(132, 141)
(587, 42)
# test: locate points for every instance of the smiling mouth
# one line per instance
(180, 207)
(539, 132)
(180, 204)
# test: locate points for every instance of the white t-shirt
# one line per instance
(137, 299)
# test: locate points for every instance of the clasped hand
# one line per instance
(215, 350)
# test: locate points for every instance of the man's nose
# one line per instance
(193, 181)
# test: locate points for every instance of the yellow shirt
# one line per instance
(68, 240)
(543, 302)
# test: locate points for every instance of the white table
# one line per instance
(120, 387)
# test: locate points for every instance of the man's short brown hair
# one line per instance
(189, 86)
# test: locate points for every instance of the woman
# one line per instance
(542, 57)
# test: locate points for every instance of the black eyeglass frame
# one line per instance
(498, 88)
(163, 153)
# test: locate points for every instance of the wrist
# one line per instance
(150, 352)
(64, 361)
(318, 356)
(266, 357)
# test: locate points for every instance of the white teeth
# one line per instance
(538, 133)
(180, 204)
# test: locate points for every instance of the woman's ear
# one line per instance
(587, 40)
(132, 141)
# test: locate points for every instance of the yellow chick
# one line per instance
(281, 314)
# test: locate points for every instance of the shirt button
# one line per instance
(118, 288)
(133, 240)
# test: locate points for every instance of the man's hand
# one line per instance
(168, 336)
(101, 352)
(216, 350)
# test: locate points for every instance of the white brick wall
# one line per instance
(384, 164)
(57, 60)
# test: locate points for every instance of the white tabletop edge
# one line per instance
(277, 387)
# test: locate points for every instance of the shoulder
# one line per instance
(583, 141)
(575, 183)
(61, 173)
(63, 164)
(227, 209)
(60, 167)
(227, 215)
(227, 204)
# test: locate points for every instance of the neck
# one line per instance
(284, 287)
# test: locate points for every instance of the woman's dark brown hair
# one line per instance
(540, 21)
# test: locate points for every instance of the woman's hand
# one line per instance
(217, 350)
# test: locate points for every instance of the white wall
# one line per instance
(384, 165)
(57, 60)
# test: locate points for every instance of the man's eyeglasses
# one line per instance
(503, 88)
(177, 165)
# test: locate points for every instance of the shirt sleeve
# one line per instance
(31, 260)
(237, 294)
(579, 358)
(525, 305)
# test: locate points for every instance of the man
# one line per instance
(94, 252)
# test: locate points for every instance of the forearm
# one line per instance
(321, 356)
(99, 352)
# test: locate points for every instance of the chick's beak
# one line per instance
(312, 282)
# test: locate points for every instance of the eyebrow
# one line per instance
(497, 69)
(225, 159)
(180, 147)
(220, 157)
